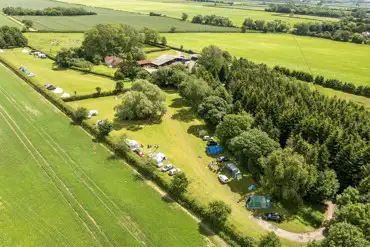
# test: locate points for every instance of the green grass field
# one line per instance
(5, 21)
(343, 61)
(69, 80)
(104, 16)
(175, 9)
(59, 188)
(175, 137)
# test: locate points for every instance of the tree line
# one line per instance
(11, 37)
(348, 29)
(291, 8)
(347, 87)
(213, 20)
(52, 11)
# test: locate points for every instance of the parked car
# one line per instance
(223, 179)
(222, 159)
(272, 217)
(139, 152)
(173, 171)
(167, 168)
(212, 143)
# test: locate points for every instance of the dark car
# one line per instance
(272, 217)
(139, 152)
(223, 159)
(212, 143)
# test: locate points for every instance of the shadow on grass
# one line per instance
(167, 199)
(136, 177)
(179, 103)
(204, 230)
(194, 129)
(133, 125)
(185, 115)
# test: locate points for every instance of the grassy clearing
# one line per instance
(175, 137)
(81, 23)
(69, 80)
(175, 9)
(343, 61)
(92, 198)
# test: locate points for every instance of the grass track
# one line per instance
(338, 60)
(78, 189)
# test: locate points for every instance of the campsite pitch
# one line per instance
(177, 139)
(58, 188)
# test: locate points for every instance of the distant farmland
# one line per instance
(337, 60)
(5, 21)
(82, 23)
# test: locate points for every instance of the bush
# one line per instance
(80, 114)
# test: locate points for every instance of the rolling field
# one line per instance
(176, 139)
(104, 16)
(58, 188)
(5, 21)
(338, 60)
(69, 80)
(175, 9)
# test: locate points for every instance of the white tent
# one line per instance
(25, 51)
(31, 74)
(58, 90)
(65, 95)
(132, 144)
(159, 157)
(92, 113)
(2, 51)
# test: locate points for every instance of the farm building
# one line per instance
(258, 202)
(214, 150)
(112, 61)
(162, 61)
(234, 170)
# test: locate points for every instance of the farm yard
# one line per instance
(175, 9)
(346, 61)
(92, 198)
(70, 81)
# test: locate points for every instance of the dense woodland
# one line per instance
(11, 37)
(54, 11)
(291, 8)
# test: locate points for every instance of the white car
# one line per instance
(167, 168)
(223, 179)
(174, 171)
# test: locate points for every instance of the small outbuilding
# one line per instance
(214, 150)
(258, 202)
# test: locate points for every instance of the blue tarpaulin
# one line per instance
(213, 150)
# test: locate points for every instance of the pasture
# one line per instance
(59, 188)
(337, 60)
(5, 21)
(175, 10)
(104, 16)
(176, 137)
(69, 80)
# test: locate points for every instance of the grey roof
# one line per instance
(232, 167)
(165, 59)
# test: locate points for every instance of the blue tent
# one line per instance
(213, 150)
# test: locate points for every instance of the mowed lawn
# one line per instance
(59, 188)
(338, 60)
(104, 16)
(175, 9)
(176, 138)
(69, 80)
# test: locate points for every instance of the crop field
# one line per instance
(59, 188)
(338, 60)
(175, 9)
(70, 81)
(176, 138)
(104, 16)
(5, 21)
